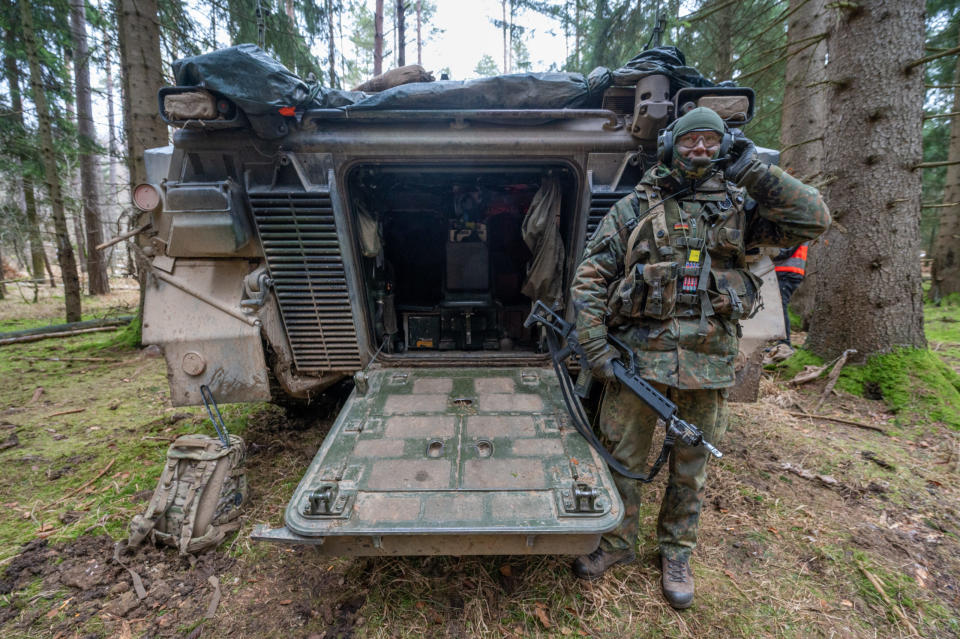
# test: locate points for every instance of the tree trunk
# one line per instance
(49, 269)
(804, 114)
(868, 295)
(378, 39)
(98, 282)
(506, 36)
(65, 256)
(401, 35)
(113, 188)
(577, 33)
(29, 199)
(723, 28)
(945, 272)
(419, 34)
(73, 195)
(331, 49)
(141, 65)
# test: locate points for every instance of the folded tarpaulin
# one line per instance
(551, 90)
(668, 61)
(256, 82)
(541, 234)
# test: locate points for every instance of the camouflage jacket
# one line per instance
(670, 279)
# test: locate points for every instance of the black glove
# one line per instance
(600, 354)
(742, 154)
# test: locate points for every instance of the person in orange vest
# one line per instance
(790, 265)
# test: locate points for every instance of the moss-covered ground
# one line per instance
(811, 527)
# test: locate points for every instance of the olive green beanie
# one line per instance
(699, 119)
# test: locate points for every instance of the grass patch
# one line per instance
(914, 383)
(796, 321)
(790, 367)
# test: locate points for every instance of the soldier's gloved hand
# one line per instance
(742, 155)
(601, 354)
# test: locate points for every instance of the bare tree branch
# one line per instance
(930, 58)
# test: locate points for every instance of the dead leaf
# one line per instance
(506, 570)
(540, 610)
(36, 395)
(125, 631)
(566, 632)
(847, 603)
(285, 602)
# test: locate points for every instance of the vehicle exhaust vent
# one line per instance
(299, 237)
(600, 203)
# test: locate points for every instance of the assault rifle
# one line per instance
(560, 331)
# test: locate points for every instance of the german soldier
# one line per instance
(665, 272)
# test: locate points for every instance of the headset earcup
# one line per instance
(726, 142)
(665, 146)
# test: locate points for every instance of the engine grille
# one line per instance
(299, 237)
(600, 203)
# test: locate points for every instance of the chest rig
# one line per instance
(692, 240)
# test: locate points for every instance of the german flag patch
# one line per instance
(681, 226)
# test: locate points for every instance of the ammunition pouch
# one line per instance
(734, 293)
(661, 284)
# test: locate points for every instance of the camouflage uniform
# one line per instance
(630, 283)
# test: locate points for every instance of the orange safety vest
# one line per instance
(796, 263)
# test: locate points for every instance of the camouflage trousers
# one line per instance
(627, 425)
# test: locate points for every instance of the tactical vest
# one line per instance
(796, 263)
(686, 260)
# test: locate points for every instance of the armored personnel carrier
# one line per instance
(302, 237)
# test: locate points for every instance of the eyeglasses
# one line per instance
(710, 139)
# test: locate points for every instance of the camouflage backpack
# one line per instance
(198, 499)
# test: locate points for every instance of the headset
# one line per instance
(665, 144)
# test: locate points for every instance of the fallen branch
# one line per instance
(77, 490)
(67, 412)
(65, 359)
(839, 420)
(803, 473)
(37, 338)
(808, 374)
(897, 610)
(834, 376)
(61, 330)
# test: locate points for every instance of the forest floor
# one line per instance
(812, 527)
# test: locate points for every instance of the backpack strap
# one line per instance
(658, 208)
(163, 496)
(191, 502)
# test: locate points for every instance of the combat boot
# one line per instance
(593, 566)
(677, 582)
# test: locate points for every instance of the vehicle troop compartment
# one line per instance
(452, 256)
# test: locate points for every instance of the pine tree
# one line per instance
(48, 152)
(868, 295)
(97, 279)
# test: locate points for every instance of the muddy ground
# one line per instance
(813, 528)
